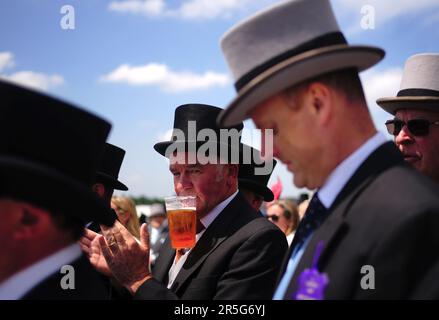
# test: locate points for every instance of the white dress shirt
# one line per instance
(206, 221)
(16, 286)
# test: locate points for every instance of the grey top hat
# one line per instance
(419, 85)
(282, 46)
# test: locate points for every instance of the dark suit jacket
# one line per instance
(157, 246)
(428, 287)
(88, 285)
(238, 257)
(387, 216)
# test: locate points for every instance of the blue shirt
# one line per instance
(291, 267)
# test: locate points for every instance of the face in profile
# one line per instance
(296, 137)
(419, 140)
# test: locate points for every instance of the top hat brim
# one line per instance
(44, 187)
(259, 189)
(161, 147)
(294, 70)
(393, 104)
(111, 181)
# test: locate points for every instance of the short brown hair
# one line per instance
(345, 81)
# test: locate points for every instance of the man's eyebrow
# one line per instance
(189, 166)
(196, 165)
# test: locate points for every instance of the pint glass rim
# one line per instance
(172, 200)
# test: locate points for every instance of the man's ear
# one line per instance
(32, 222)
(99, 189)
(320, 99)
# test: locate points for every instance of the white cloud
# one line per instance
(165, 136)
(189, 9)
(146, 7)
(380, 84)
(384, 10)
(35, 80)
(6, 60)
(156, 74)
(209, 9)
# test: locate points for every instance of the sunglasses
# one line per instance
(273, 217)
(417, 127)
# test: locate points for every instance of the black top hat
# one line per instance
(109, 166)
(49, 152)
(248, 179)
(204, 117)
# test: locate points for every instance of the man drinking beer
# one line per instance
(237, 254)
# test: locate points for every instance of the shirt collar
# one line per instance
(346, 169)
(16, 286)
(211, 216)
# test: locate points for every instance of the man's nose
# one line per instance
(404, 137)
(185, 182)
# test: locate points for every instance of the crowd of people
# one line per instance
(375, 205)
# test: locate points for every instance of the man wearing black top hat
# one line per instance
(107, 176)
(238, 252)
(49, 151)
(371, 228)
(254, 186)
(108, 173)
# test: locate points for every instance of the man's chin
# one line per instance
(299, 182)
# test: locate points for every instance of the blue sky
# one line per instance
(133, 62)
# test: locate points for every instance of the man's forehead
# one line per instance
(263, 111)
(200, 158)
(184, 165)
(7, 203)
(188, 160)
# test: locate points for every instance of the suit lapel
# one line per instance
(214, 235)
(335, 227)
(164, 262)
(329, 233)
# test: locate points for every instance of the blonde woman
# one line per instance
(126, 213)
(284, 214)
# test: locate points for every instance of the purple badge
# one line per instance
(312, 283)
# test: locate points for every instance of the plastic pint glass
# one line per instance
(182, 220)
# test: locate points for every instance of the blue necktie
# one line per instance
(315, 215)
